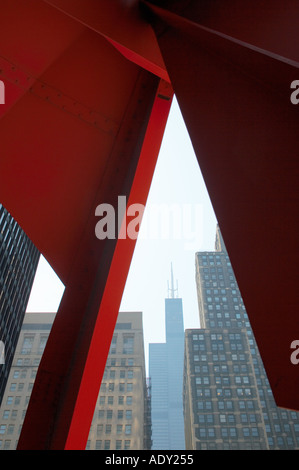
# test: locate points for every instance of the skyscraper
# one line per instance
(166, 374)
(18, 263)
(228, 402)
(120, 421)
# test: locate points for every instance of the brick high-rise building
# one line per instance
(228, 402)
(122, 416)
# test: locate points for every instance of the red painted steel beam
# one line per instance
(71, 136)
(69, 376)
(76, 128)
(231, 67)
(119, 22)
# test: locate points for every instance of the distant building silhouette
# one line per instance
(166, 374)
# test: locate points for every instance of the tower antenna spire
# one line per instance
(171, 289)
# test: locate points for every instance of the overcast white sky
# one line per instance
(177, 180)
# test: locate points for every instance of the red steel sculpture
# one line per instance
(88, 88)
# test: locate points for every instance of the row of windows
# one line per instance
(230, 445)
(207, 284)
(122, 374)
(212, 258)
(229, 418)
(120, 414)
(28, 342)
(111, 386)
(217, 336)
(16, 400)
(231, 432)
(224, 309)
(224, 392)
(14, 387)
(13, 414)
(110, 400)
(221, 291)
(106, 445)
(22, 373)
(294, 415)
(123, 362)
(219, 357)
(226, 405)
(224, 380)
(219, 347)
(222, 369)
(99, 444)
(26, 362)
(282, 442)
(222, 299)
(282, 428)
(120, 429)
(127, 343)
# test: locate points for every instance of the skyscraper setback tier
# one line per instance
(18, 262)
(228, 402)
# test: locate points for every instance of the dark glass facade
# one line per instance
(228, 402)
(18, 262)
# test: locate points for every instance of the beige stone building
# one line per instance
(122, 413)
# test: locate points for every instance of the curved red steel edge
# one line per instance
(233, 82)
(84, 115)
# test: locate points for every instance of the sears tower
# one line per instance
(166, 362)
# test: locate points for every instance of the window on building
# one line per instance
(128, 429)
(98, 445)
(99, 429)
(10, 429)
(108, 428)
(27, 344)
(42, 343)
(128, 344)
(119, 428)
(127, 444)
(118, 444)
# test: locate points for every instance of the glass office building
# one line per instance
(18, 262)
(166, 373)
